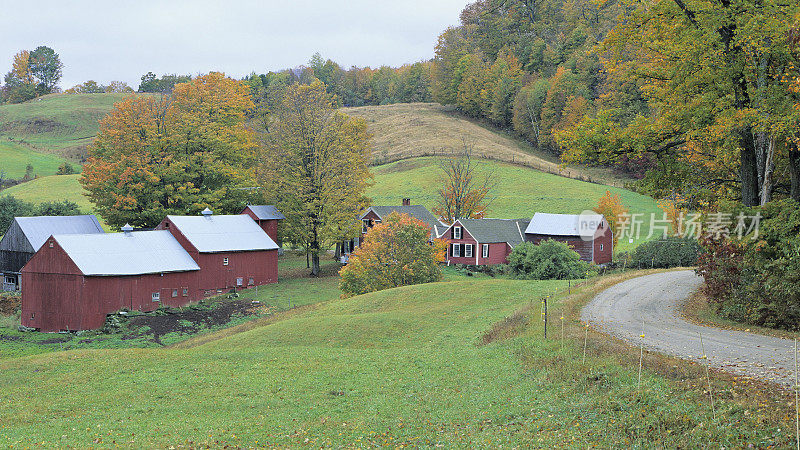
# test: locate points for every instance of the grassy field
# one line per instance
(406, 130)
(14, 158)
(58, 123)
(56, 187)
(519, 193)
(425, 365)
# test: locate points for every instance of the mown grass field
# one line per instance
(14, 158)
(51, 188)
(406, 130)
(409, 366)
(520, 192)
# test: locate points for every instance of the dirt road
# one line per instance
(650, 305)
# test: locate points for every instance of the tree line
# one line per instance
(33, 73)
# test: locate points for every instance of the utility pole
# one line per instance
(544, 313)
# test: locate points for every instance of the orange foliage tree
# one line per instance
(397, 252)
(611, 207)
(174, 154)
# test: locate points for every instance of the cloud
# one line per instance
(107, 41)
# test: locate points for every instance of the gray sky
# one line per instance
(123, 39)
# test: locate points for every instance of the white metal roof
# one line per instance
(132, 253)
(38, 229)
(563, 224)
(266, 212)
(232, 233)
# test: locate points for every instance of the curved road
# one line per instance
(650, 305)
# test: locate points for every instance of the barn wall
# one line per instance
(584, 248)
(269, 226)
(262, 266)
(603, 237)
(15, 249)
(498, 254)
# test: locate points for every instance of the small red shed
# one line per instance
(231, 250)
(588, 234)
(75, 280)
(267, 217)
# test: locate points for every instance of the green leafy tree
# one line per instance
(45, 66)
(397, 252)
(548, 260)
(314, 167)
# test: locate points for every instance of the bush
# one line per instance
(394, 253)
(669, 252)
(547, 261)
(11, 207)
(65, 169)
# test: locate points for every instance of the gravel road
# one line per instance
(650, 305)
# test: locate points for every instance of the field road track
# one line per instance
(650, 305)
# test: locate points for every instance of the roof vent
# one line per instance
(127, 228)
(207, 213)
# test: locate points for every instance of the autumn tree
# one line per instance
(465, 190)
(396, 252)
(611, 207)
(175, 154)
(314, 167)
(45, 66)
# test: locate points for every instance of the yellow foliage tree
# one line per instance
(611, 207)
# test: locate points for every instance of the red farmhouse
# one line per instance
(588, 234)
(483, 241)
(74, 280)
(267, 217)
(232, 251)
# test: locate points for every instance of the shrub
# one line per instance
(668, 252)
(65, 169)
(11, 207)
(394, 253)
(546, 261)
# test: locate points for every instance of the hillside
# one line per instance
(14, 158)
(405, 130)
(52, 188)
(519, 192)
(412, 366)
(59, 123)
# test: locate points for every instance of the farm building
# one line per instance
(231, 250)
(26, 235)
(267, 217)
(588, 234)
(75, 280)
(376, 214)
(483, 241)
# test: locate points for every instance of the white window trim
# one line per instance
(457, 233)
(601, 247)
(455, 250)
(364, 225)
(485, 251)
(156, 296)
(468, 250)
(225, 261)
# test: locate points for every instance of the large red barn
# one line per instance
(74, 281)
(231, 250)
(588, 234)
(267, 217)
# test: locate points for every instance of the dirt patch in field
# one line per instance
(36, 126)
(191, 320)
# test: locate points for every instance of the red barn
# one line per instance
(231, 250)
(588, 234)
(483, 241)
(267, 217)
(75, 280)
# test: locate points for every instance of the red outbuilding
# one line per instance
(483, 241)
(231, 250)
(75, 280)
(267, 217)
(588, 234)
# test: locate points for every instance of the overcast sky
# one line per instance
(123, 39)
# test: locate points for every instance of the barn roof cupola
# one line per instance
(207, 213)
(127, 228)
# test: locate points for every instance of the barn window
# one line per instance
(174, 292)
(33, 315)
(251, 281)
(485, 250)
(468, 250)
(239, 281)
(185, 292)
(224, 261)
(601, 247)
(456, 250)
(51, 244)
(364, 225)
(456, 232)
(156, 297)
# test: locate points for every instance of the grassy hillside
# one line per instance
(14, 158)
(56, 187)
(405, 130)
(58, 123)
(519, 193)
(410, 366)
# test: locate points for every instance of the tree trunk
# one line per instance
(748, 172)
(308, 261)
(338, 254)
(794, 170)
(769, 168)
(315, 264)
